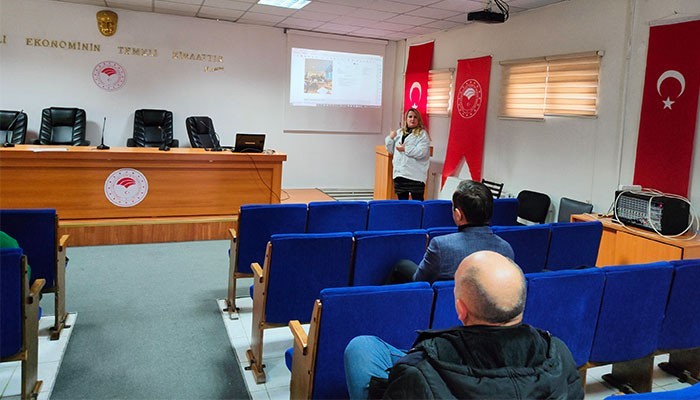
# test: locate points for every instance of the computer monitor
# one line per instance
(249, 143)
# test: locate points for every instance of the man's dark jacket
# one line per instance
(480, 362)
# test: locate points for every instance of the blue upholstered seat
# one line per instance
(394, 215)
(505, 212)
(256, 223)
(337, 216)
(530, 244)
(573, 244)
(297, 267)
(437, 213)
(444, 313)
(631, 313)
(566, 303)
(689, 393)
(376, 252)
(393, 312)
(36, 232)
(10, 302)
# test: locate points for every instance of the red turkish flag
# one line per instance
(420, 59)
(669, 108)
(468, 123)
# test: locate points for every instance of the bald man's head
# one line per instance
(489, 290)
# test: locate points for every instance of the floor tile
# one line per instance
(277, 373)
(6, 371)
(281, 393)
(259, 395)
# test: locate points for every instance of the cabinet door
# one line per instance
(632, 249)
(606, 252)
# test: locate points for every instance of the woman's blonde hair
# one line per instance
(420, 127)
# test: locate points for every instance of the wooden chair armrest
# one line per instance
(233, 233)
(62, 242)
(35, 290)
(257, 270)
(300, 336)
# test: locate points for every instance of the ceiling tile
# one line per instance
(418, 2)
(329, 8)
(367, 23)
(337, 28)
(227, 4)
(219, 13)
(390, 26)
(421, 30)
(259, 8)
(410, 20)
(266, 19)
(299, 23)
(90, 2)
(430, 12)
(460, 5)
(375, 15)
(176, 8)
(444, 25)
(322, 17)
(392, 6)
(129, 3)
(192, 2)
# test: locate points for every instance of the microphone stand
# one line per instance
(9, 131)
(102, 144)
(164, 146)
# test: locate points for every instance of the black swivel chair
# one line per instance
(201, 132)
(152, 128)
(533, 206)
(63, 126)
(15, 133)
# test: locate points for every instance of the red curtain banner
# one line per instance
(669, 108)
(468, 123)
(420, 59)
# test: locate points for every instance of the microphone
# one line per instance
(217, 144)
(164, 146)
(9, 130)
(102, 144)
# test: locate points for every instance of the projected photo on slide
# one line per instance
(332, 78)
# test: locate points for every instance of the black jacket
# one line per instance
(480, 362)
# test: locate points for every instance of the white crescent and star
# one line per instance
(415, 85)
(673, 74)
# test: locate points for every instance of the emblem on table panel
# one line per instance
(469, 98)
(126, 187)
(109, 75)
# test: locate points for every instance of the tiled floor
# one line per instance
(50, 357)
(278, 340)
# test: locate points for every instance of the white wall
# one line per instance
(572, 157)
(247, 96)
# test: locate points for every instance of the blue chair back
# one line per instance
(36, 233)
(631, 312)
(530, 244)
(573, 244)
(301, 265)
(437, 213)
(10, 302)
(566, 303)
(387, 215)
(444, 313)
(681, 326)
(433, 232)
(393, 313)
(257, 222)
(337, 216)
(505, 212)
(376, 253)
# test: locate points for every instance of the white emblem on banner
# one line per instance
(673, 75)
(469, 98)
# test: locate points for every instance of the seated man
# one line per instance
(493, 355)
(472, 209)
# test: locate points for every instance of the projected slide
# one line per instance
(331, 78)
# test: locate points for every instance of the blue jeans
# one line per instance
(365, 357)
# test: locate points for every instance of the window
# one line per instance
(440, 91)
(555, 85)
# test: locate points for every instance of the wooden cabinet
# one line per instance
(628, 245)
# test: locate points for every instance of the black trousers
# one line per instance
(402, 272)
(403, 187)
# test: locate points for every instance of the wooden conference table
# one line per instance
(182, 184)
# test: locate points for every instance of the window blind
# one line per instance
(440, 91)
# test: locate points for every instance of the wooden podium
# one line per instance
(620, 245)
(383, 181)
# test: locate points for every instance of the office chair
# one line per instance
(495, 188)
(201, 132)
(13, 126)
(153, 128)
(568, 206)
(63, 126)
(533, 206)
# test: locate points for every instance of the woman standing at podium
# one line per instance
(410, 146)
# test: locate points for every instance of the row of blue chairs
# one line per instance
(36, 231)
(619, 315)
(19, 325)
(556, 246)
(298, 266)
(257, 222)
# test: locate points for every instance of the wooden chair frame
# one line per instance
(59, 289)
(304, 358)
(29, 353)
(233, 275)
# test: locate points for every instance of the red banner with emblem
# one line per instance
(669, 108)
(420, 59)
(468, 123)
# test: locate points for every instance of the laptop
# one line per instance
(249, 143)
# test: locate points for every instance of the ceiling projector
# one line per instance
(487, 16)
